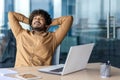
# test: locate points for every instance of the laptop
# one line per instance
(76, 60)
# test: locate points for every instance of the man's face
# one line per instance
(38, 23)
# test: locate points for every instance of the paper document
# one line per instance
(7, 78)
(6, 71)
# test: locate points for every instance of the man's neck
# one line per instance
(38, 30)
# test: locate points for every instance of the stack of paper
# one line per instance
(7, 71)
(4, 72)
(7, 78)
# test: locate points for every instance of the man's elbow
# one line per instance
(10, 14)
(70, 18)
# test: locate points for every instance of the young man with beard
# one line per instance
(36, 47)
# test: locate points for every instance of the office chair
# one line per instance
(56, 56)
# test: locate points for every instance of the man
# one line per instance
(35, 47)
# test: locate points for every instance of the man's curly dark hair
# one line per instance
(40, 12)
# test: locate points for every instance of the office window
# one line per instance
(71, 7)
(1, 13)
(1, 25)
(24, 8)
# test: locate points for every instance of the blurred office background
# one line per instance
(95, 21)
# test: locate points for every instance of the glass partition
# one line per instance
(95, 21)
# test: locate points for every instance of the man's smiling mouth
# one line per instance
(37, 23)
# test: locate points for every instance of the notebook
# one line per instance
(76, 60)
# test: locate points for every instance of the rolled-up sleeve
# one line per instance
(14, 19)
(65, 23)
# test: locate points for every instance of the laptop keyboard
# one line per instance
(57, 70)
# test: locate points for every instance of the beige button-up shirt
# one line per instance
(36, 48)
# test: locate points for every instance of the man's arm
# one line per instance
(14, 19)
(64, 23)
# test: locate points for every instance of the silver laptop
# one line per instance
(77, 59)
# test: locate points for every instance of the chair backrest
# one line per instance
(56, 56)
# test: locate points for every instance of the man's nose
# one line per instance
(38, 19)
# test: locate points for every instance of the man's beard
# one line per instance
(39, 29)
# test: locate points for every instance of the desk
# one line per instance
(92, 72)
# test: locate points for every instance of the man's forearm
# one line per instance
(14, 19)
(64, 22)
(19, 17)
(60, 20)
